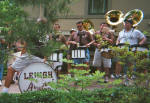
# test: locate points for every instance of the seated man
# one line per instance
(19, 64)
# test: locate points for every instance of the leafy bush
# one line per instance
(105, 95)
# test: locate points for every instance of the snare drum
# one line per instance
(56, 57)
(36, 76)
(105, 49)
(139, 49)
(79, 53)
(123, 46)
(142, 49)
(106, 52)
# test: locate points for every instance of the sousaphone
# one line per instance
(135, 15)
(114, 17)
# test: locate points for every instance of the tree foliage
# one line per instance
(15, 24)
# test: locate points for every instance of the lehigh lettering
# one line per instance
(46, 74)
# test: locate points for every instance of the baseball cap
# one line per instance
(129, 20)
(72, 30)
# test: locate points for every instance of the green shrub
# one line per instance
(105, 95)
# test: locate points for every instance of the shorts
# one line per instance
(24, 60)
(99, 60)
(85, 60)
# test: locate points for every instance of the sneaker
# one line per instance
(133, 77)
(5, 90)
(106, 80)
(0, 82)
(17, 78)
(117, 76)
(99, 81)
(126, 82)
(112, 76)
(12, 82)
(124, 76)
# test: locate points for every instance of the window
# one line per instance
(96, 7)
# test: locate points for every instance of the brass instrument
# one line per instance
(114, 17)
(135, 15)
(88, 26)
(104, 45)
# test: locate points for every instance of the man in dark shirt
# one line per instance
(100, 60)
(81, 38)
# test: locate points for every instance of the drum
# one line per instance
(79, 53)
(106, 52)
(56, 57)
(123, 46)
(140, 51)
(36, 76)
(139, 48)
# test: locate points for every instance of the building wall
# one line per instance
(127, 5)
(33, 12)
(79, 11)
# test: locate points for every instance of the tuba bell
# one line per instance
(114, 17)
(135, 15)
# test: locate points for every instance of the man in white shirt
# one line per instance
(131, 36)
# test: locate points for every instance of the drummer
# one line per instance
(81, 38)
(130, 35)
(19, 64)
(108, 36)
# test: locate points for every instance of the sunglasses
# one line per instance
(79, 26)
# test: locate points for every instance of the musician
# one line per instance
(15, 54)
(131, 36)
(108, 36)
(81, 38)
(72, 31)
(19, 64)
(57, 34)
